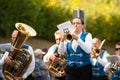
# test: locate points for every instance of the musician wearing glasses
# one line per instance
(113, 68)
(52, 54)
(77, 53)
(98, 60)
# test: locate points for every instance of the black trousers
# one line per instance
(82, 73)
(30, 77)
(59, 78)
(101, 78)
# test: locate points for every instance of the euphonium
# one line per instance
(58, 65)
(21, 58)
(97, 52)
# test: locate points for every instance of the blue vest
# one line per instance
(79, 58)
(116, 76)
(25, 46)
(98, 69)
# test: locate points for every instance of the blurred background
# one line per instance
(102, 19)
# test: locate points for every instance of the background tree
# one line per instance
(102, 16)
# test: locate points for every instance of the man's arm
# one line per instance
(49, 53)
(87, 45)
(2, 61)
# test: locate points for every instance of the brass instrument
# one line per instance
(58, 65)
(113, 67)
(97, 52)
(21, 58)
(69, 35)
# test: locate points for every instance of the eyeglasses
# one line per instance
(58, 39)
(76, 23)
(117, 49)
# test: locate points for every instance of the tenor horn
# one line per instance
(21, 58)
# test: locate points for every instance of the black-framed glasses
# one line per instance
(117, 49)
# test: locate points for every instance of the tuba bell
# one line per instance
(21, 58)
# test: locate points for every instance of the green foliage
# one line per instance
(102, 16)
(41, 15)
(104, 21)
(14, 11)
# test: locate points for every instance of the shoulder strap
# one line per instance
(83, 35)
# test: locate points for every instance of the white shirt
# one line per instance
(30, 67)
(86, 46)
(103, 61)
(50, 52)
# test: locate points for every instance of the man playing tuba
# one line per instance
(7, 60)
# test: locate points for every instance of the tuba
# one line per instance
(21, 58)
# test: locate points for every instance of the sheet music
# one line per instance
(65, 27)
(113, 58)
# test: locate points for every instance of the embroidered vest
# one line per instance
(116, 76)
(79, 58)
(98, 69)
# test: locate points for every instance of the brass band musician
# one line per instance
(52, 54)
(114, 68)
(78, 66)
(98, 60)
(7, 59)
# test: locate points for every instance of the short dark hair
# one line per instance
(118, 43)
(80, 19)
